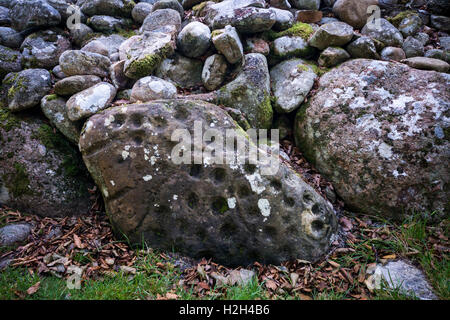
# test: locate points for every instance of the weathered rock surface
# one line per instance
(247, 16)
(44, 174)
(107, 23)
(121, 8)
(10, 37)
(140, 11)
(43, 49)
(160, 18)
(77, 62)
(144, 53)
(287, 47)
(291, 81)
(413, 48)
(363, 47)
(378, 131)
(90, 101)
(74, 84)
(152, 88)
(14, 234)
(404, 277)
(250, 91)
(54, 108)
(231, 213)
(169, 4)
(228, 43)
(427, 64)
(25, 89)
(332, 56)
(387, 34)
(393, 53)
(33, 13)
(194, 39)
(214, 71)
(333, 34)
(181, 71)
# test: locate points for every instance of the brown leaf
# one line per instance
(270, 284)
(34, 288)
(171, 296)
(77, 241)
(334, 264)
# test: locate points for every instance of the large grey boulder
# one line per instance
(363, 47)
(214, 71)
(90, 101)
(44, 173)
(10, 37)
(332, 56)
(43, 49)
(77, 62)
(291, 81)
(410, 25)
(13, 234)
(333, 34)
(140, 11)
(33, 13)
(231, 213)
(247, 16)
(379, 134)
(121, 8)
(386, 33)
(152, 88)
(284, 19)
(403, 277)
(74, 84)
(393, 53)
(108, 24)
(169, 4)
(160, 18)
(25, 89)
(144, 53)
(249, 92)
(425, 63)
(413, 47)
(181, 71)
(54, 108)
(228, 43)
(194, 39)
(288, 46)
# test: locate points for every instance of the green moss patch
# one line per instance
(8, 120)
(71, 164)
(299, 29)
(399, 17)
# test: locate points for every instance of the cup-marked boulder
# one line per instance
(230, 212)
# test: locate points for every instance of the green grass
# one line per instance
(251, 291)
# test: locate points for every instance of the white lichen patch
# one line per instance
(147, 177)
(396, 174)
(231, 202)
(109, 120)
(385, 150)
(264, 207)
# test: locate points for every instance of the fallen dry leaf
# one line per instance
(34, 288)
